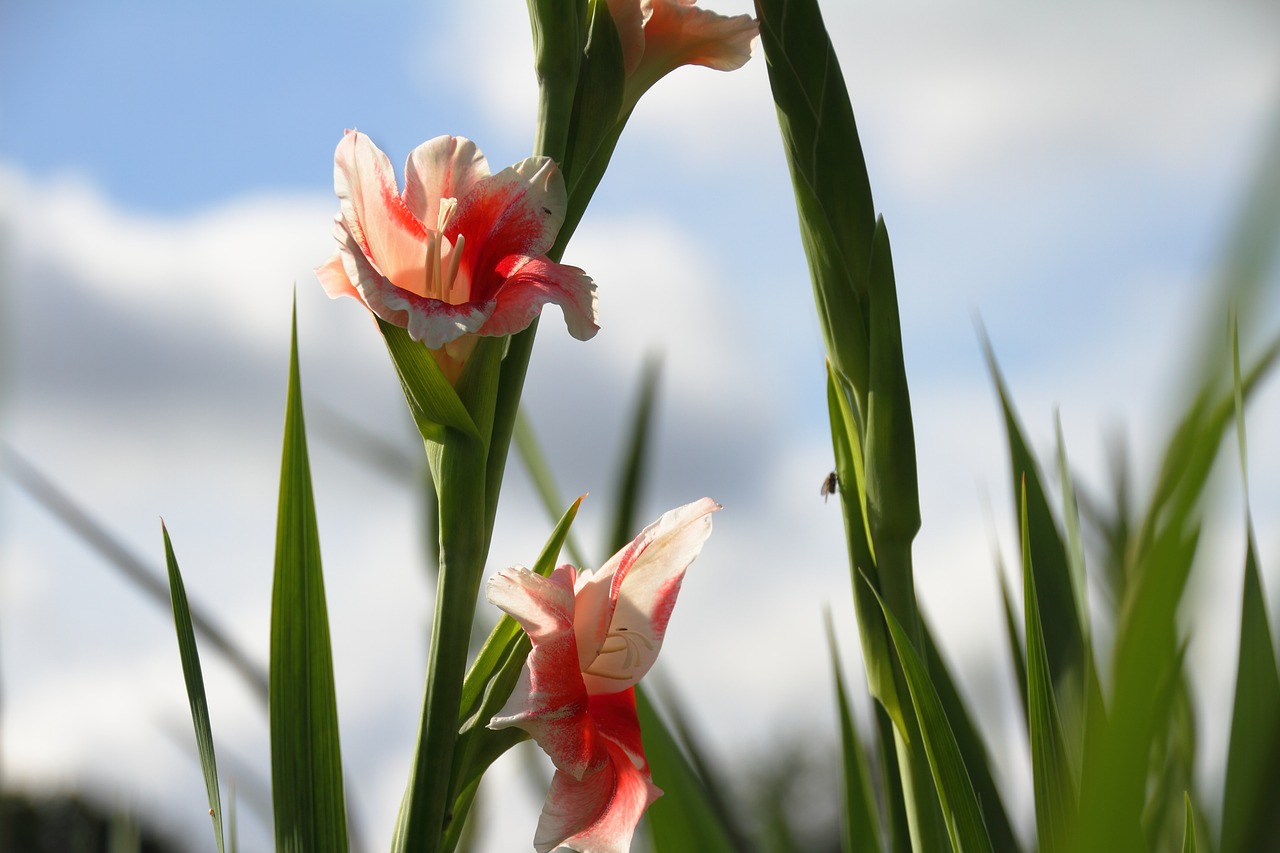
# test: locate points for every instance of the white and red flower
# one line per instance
(594, 636)
(461, 252)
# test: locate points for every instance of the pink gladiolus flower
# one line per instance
(460, 252)
(659, 36)
(594, 636)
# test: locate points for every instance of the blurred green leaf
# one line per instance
(860, 819)
(960, 810)
(1015, 645)
(1074, 544)
(683, 820)
(109, 547)
(544, 482)
(194, 679)
(1059, 610)
(1145, 670)
(1055, 798)
(634, 467)
(1189, 830)
(306, 761)
(1251, 789)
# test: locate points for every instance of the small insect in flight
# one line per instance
(830, 485)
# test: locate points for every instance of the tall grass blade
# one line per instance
(306, 761)
(544, 482)
(634, 467)
(1060, 610)
(859, 817)
(1016, 653)
(194, 679)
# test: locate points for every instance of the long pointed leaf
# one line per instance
(194, 678)
(306, 761)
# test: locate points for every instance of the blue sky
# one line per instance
(166, 179)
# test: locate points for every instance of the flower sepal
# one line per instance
(433, 402)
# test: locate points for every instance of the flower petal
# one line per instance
(628, 18)
(430, 321)
(384, 228)
(621, 611)
(533, 282)
(518, 212)
(599, 813)
(444, 167)
(333, 278)
(677, 33)
(549, 701)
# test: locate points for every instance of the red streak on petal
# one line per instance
(663, 603)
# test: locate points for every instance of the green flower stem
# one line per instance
(458, 461)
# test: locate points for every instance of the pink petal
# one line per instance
(518, 212)
(391, 237)
(444, 167)
(549, 701)
(333, 278)
(621, 611)
(677, 33)
(533, 282)
(430, 321)
(599, 813)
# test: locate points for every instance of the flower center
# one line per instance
(440, 282)
(619, 642)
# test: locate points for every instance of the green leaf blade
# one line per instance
(194, 679)
(306, 761)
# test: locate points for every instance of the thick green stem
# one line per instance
(463, 549)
